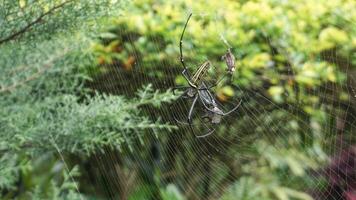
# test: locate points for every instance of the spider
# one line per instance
(198, 90)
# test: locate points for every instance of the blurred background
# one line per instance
(87, 108)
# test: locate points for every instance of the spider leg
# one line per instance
(205, 87)
(222, 78)
(186, 76)
(181, 43)
(175, 117)
(191, 110)
(187, 87)
(237, 106)
(190, 118)
(185, 72)
(208, 133)
(212, 100)
(180, 122)
(217, 82)
(180, 87)
(190, 114)
(214, 85)
(172, 110)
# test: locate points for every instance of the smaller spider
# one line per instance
(230, 61)
(198, 90)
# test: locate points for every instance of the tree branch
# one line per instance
(28, 26)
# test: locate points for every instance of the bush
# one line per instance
(286, 53)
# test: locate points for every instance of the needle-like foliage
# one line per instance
(44, 106)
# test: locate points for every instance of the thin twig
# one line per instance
(28, 26)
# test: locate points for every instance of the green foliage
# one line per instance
(264, 38)
(57, 183)
(248, 188)
(106, 121)
(171, 192)
(286, 53)
(45, 108)
(275, 163)
(33, 21)
(8, 171)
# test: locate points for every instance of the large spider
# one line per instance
(199, 91)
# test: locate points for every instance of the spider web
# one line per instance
(302, 158)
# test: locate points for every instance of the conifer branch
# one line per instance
(33, 23)
(34, 76)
